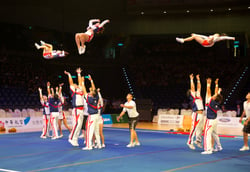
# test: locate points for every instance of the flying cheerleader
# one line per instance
(48, 52)
(206, 41)
(94, 27)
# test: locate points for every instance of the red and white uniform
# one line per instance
(197, 118)
(54, 105)
(210, 129)
(46, 119)
(92, 125)
(77, 113)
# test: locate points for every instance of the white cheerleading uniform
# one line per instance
(46, 119)
(100, 107)
(77, 113)
(197, 118)
(61, 113)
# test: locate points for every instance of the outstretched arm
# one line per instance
(40, 94)
(208, 93)
(60, 89)
(52, 92)
(216, 89)
(70, 78)
(92, 82)
(48, 88)
(221, 38)
(103, 23)
(192, 87)
(198, 83)
(79, 77)
(93, 21)
(100, 97)
(83, 87)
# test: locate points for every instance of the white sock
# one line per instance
(37, 46)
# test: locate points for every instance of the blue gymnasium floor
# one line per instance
(159, 151)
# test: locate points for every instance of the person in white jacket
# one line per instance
(94, 27)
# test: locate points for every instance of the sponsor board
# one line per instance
(170, 119)
(229, 121)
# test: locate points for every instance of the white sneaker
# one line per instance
(130, 145)
(103, 146)
(37, 46)
(206, 152)
(43, 137)
(73, 143)
(62, 54)
(198, 143)
(137, 144)
(81, 136)
(191, 146)
(54, 138)
(217, 149)
(60, 136)
(42, 42)
(87, 148)
(82, 49)
(244, 148)
(180, 40)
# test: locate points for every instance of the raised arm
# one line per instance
(60, 89)
(192, 87)
(52, 92)
(216, 89)
(40, 94)
(92, 82)
(83, 87)
(79, 77)
(70, 78)
(48, 88)
(208, 92)
(100, 97)
(93, 21)
(103, 23)
(198, 83)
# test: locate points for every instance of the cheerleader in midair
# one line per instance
(48, 52)
(81, 38)
(205, 41)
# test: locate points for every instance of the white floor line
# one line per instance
(6, 170)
